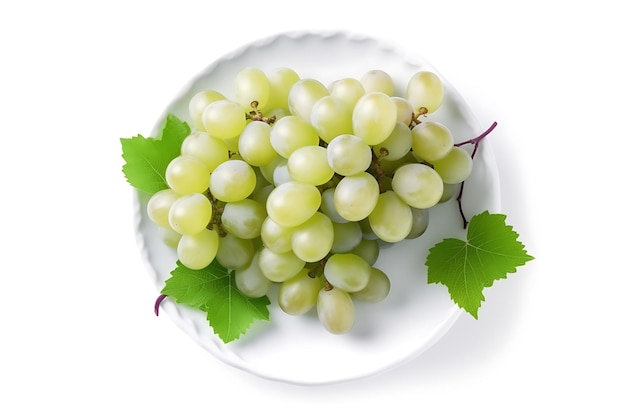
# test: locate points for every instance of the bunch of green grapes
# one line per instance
(293, 182)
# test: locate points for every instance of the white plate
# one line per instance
(415, 315)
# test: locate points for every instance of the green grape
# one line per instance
(299, 294)
(335, 310)
(368, 249)
(356, 196)
(418, 185)
(347, 90)
(169, 237)
(377, 80)
(251, 84)
(330, 117)
(303, 95)
(276, 237)
(190, 214)
(404, 110)
(312, 240)
(232, 181)
(374, 117)
(391, 219)
(250, 280)
(377, 288)
(267, 170)
(292, 203)
(234, 252)
(243, 218)
(279, 267)
(455, 167)
(199, 250)
(254, 144)
(224, 119)
(425, 89)
(281, 80)
(420, 222)
(347, 271)
(397, 144)
(348, 155)
(291, 133)
(366, 229)
(187, 174)
(198, 103)
(347, 236)
(209, 150)
(281, 174)
(450, 191)
(431, 141)
(309, 164)
(158, 207)
(327, 206)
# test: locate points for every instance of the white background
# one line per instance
(78, 333)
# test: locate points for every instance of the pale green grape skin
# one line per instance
(232, 181)
(234, 252)
(169, 237)
(309, 164)
(298, 295)
(404, 110)
(250, 280)
(418, 185)
(391, 219)
(281, 174)
(254, 144)
(327, 206)
(279, 267)
(251, 84)
(347, 90)
(292, 203)
(291, 133)
(312, 240)
(267, 170)
(335, 310)
(190, 214)
(276, 237)
(425, 89)
(376, 290)
(209, 150)
(303, 95)
(450, 191)
(187, 174)
(397, 144)
(198, 103)
(348, 155)
(330, 117)
(377, 80)
(347, 236)
(224, 119)
(347, 271)
(199, 250)
(367, 249)
(243, 218)
(455, 167)
(420, 222)
(281, 80)
(431, 141)
(355, 196)
(374, 117)
(158, 207)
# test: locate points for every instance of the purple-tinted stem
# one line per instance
(158, 302)
(475, 141)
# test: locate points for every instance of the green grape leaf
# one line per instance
(213, 290)
(492, 251)
(147, 158)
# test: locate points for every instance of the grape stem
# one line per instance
(474, 141)
(157, 303)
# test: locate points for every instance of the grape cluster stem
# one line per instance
(474, 141)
